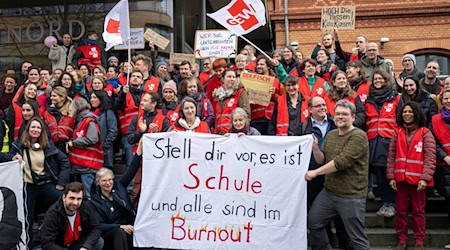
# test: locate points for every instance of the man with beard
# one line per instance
(430, 82)
(185, 71)
(345, 156)
(327, 42)
(409, 67)
(70, 224)
(261, 115)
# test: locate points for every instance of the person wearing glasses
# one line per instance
(208, 71)
(290, 111)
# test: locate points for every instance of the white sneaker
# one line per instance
(390, 212)
(382, 211)
(370, 196)
(447, 246)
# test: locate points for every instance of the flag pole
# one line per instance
(256, 47)
(129, 63)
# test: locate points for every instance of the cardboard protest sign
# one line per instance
(204, 191)
(215, 43)
(338, 17)
(258, 87)
(159, 40)
(136, 41)
(177, 58)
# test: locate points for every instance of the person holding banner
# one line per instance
(46, 171)
(241, 123)
(410, 168)
(345, 155)
(189, 121)
(290, 111)
(192, 87)
(340, 89)
(228, 97)
(262, 115)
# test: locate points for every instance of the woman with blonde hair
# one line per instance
(57, 117)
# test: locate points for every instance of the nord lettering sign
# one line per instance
(338, 17)
(37, 31)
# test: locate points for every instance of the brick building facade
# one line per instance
(420, 27)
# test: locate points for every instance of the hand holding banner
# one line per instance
(159, 40)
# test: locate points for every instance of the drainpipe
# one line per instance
(286, 22)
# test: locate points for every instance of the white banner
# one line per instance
(12, 216)
(215, 43)
(203, 191)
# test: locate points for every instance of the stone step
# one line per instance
(432, 221)
(383, 237)
(434, 204)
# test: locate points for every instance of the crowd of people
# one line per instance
(67, 123)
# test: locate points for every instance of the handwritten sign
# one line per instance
(159, 40)
(338, 17)
(136, 41)
(177, 58)
(215, 43)
(258, 87)
(203, 191)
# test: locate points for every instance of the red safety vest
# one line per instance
(70, 236)
(363, 91)
(91, 55)
(173, 115)
(61, 131)
(331, 103)
(409, 160)
(151, 84)
(125, 117)
(92, 156)
(259, 111)
(41, 95)
(385, 123)
(318, 88)
(202, 128)
(223, 117)
(283, 115)
(442, 133)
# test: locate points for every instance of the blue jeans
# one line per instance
(325, 208)
(128, 149)
(387, 194)
(87, 180)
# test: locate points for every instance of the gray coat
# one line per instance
(59, 57)
(369, 68)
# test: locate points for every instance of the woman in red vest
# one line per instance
(169, 102)
(99, 83)
(357, 79)
(382, 107)
(340, 89)
(219, 66)
(42, 91)
(228, 97)
(440, 125)
(410, 169)
(325, 68)
(189, 121)
(85, 148)
(241, 124)
(290, 111)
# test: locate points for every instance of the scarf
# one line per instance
(80, 88)
(96, 112)
(380, 96)
(445, 115)
(183, 123)
(355, 83)
(244, 130)
(221, 94)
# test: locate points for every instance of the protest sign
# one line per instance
(204, 191)
(215, 43)
(177, 58)
(136, 41)
(338, 17)
(159, 40)
(258, 87)
(12, 215)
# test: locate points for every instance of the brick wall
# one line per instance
(409, 25)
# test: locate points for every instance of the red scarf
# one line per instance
(96, 112)
(71, 236)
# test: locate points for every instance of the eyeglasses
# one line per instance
(319, 105)
(106, 181)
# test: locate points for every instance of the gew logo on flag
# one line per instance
(113, 26)
(241, 16)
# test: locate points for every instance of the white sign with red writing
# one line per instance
(215, 43)
(136, 41)
(203, 191)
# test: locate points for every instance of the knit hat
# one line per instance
(410, 56)
(170, 85)
(113, 58)
(160, 64)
